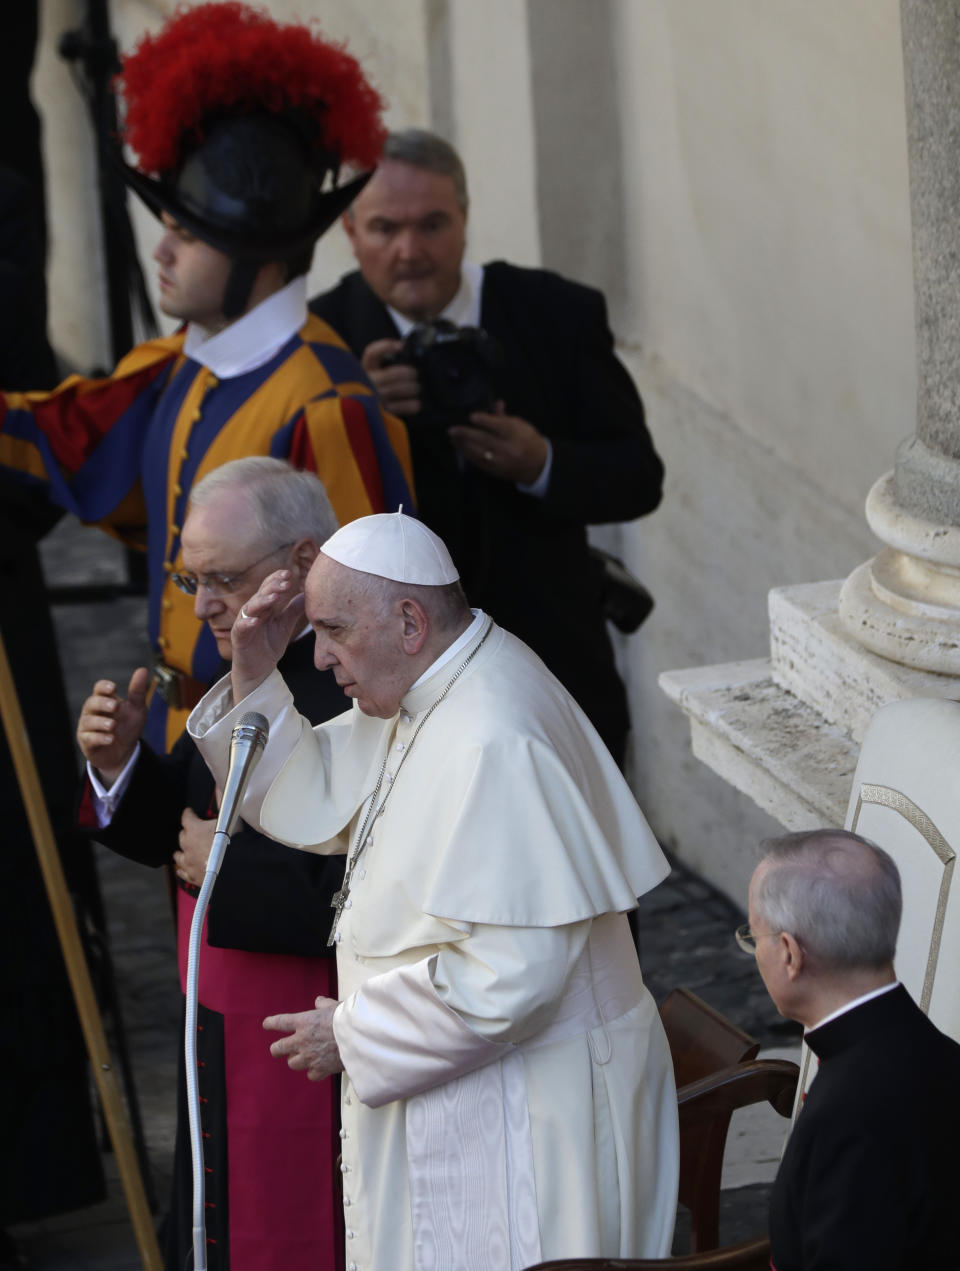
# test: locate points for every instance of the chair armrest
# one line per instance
(773, 1081)
(749, 1255)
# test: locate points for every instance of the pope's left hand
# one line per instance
(502, 445)
(311, 1046)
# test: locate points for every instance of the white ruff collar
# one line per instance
(255, 337)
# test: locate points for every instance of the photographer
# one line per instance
(523, 431)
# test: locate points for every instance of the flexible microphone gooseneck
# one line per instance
(246, 747)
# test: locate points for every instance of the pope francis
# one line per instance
(508, 1091)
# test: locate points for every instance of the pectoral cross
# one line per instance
(337, 902)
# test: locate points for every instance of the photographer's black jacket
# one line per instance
(525, 560)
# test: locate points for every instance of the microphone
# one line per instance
(246, 747)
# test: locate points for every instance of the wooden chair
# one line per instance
(751, 1255)
(716, 1072)
(702, 1042)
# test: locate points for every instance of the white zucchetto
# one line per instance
(391, 545)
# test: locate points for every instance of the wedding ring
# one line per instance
(244, 614)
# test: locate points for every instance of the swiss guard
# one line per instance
(242, 128)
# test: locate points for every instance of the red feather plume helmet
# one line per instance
(239, 122)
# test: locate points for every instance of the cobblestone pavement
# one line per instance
(686, 938)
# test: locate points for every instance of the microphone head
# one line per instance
(253, 727)
(246, 746)
(253, 719)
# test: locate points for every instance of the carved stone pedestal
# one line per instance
(905, 603)
(786, 730)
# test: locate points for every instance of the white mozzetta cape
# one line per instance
(509, 1092)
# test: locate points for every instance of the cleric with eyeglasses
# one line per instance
(276, 1141)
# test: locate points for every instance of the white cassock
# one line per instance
(508, 1093)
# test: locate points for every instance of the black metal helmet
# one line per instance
(245, 123)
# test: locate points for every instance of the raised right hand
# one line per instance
(110, 726)
(262, 631)
(398, 387)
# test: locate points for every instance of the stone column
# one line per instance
(905, 602)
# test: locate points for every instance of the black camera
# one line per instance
(456, 367)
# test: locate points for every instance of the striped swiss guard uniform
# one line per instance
(123, 452)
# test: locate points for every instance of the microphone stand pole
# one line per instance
(191, 993)
(79, 975)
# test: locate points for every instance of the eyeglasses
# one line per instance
(747, 939)
(220, 584)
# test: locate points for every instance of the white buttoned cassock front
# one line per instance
(508, 1093)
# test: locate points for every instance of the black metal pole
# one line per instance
(113, 194)
(93, 50)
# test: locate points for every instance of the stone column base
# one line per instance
(904, 604)
(786, 731)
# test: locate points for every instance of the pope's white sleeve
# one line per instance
(418, 1026)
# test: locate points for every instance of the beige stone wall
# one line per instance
(733, 174)
(769, 321)
(78, 318)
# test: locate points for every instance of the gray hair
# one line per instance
(446, 605)
(287, 504)
(838, 894)
(422, 149)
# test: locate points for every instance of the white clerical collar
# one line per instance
(458, 645)
(255, 337)
(463, 310)
(852, 1006)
